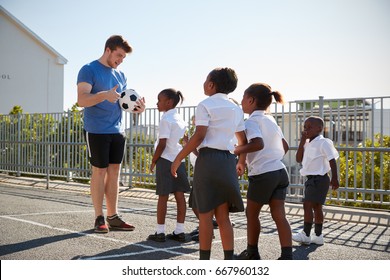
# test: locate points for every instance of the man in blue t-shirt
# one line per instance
(98, 86)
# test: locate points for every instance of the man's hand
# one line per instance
(140, 107)
(111, 95)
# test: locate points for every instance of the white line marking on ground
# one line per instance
(150, 249)
(46, 213)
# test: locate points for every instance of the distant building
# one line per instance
(31, 71)
(345, 121)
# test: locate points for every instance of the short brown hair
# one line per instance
(117, 41)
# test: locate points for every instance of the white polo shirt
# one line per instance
(270, 157)
(172, 127)
(317, 155)
(223, 119)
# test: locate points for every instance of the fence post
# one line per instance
(321, 107)
(48, 167)
(19, 152)
(69, 174)
(131, 152)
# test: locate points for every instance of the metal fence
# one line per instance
(53, 146)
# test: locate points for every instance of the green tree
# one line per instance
(366, 170)
(71, 150)
(16, 110)
(138, 159)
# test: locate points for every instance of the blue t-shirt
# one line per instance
(104, 117)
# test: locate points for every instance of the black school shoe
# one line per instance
(181, 237)
(196, 237)
(157, 237)
(195, 232)
(247, 256)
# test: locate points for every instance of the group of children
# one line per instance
(225, 146)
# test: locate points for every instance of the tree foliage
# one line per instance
(365, 170)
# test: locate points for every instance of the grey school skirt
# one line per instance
(166, 183)
(216, 181)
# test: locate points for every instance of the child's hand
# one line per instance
(152, 167)
(303, 136)
(185, 139)
(240, 168)
(174, 166)
(334, 183)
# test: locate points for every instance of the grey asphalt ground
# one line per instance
(56, 224)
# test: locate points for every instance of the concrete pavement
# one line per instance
(57, 224)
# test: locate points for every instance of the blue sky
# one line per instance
(303, 48)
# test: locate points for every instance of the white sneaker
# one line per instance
(301, 237)
(319, 240)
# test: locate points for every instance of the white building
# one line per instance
(31, 71)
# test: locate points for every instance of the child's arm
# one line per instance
(193, 143)
(334, 181)
(157, 154)
(286, 147)
(242, 142)
(300, 151)
(255, 144)
(185, 142)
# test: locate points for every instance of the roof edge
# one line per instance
(60, 59)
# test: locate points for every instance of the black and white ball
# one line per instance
(128, 100)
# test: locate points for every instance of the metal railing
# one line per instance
(53, 146)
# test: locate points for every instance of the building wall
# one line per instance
(31, 75)
(381, 121)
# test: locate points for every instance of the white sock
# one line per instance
(160, 228)
(179, 228)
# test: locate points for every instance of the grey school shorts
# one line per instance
(316, 188)
(271, 185)
(166, 183)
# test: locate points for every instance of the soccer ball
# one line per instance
(128, 100)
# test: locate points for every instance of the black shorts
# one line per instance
(105, 149)
(316, 188)
(271, 185)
